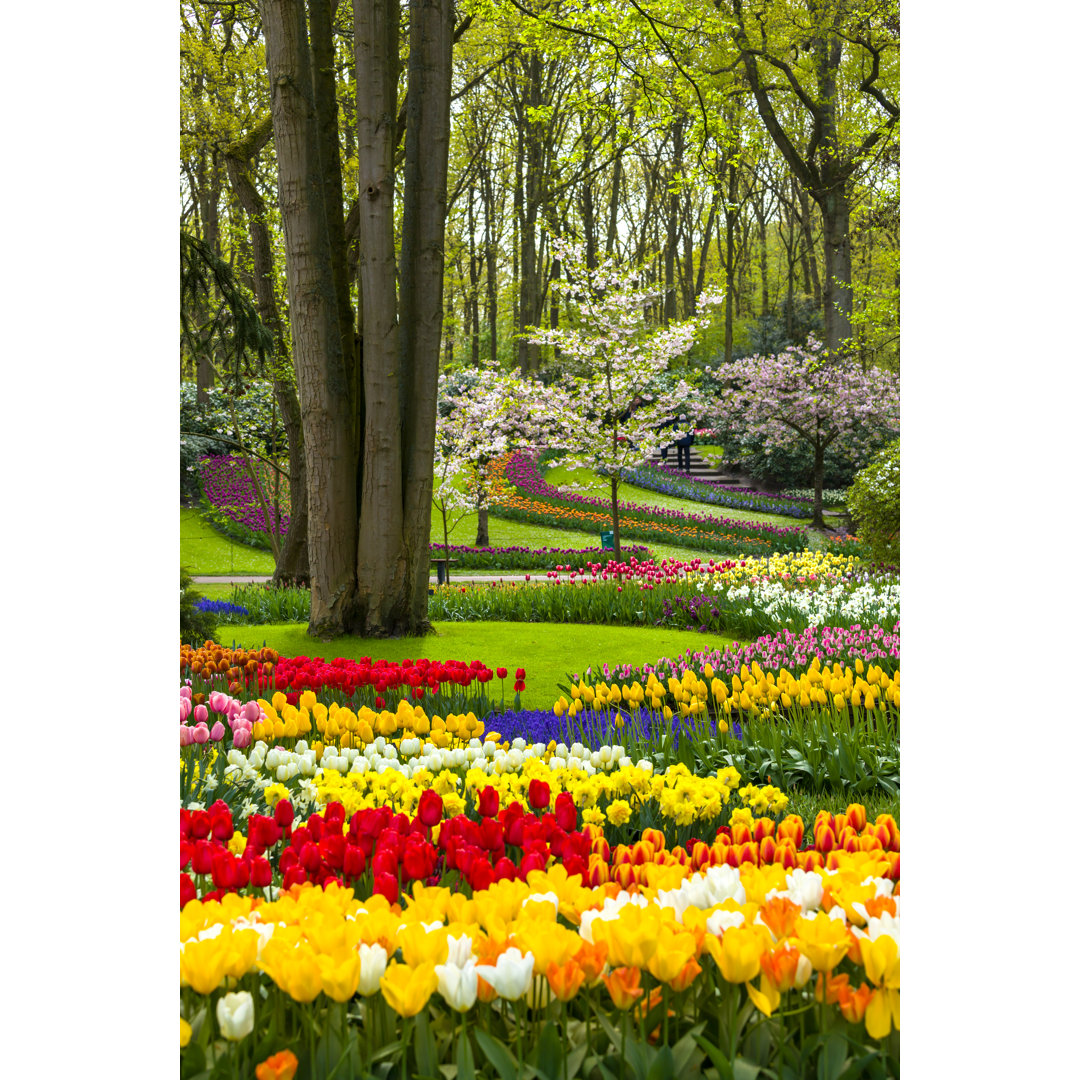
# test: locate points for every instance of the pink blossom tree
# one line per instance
(803, 395)
(618, 419)
(477, 424)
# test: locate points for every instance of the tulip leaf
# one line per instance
(663, 1065)
(466, 1069)
(716, 1056)
(498, 1055)
(425, 1046)
(683, 1050)
(550, 1053)
(833, 1057)
(741, 1069)
(856, 1066)
(574, 1060)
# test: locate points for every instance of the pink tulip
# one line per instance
(201, 714)
(219, 702)
(186, 735)
(217, 732)
(185, 709)
(185, 692)
(201, 733)
(242, 737)
(251, 712)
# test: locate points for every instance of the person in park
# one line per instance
(683, 445)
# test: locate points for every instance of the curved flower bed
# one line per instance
(537, 500)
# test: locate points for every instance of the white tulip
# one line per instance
(236, 1015)
(510, 975)
(458, 984)
(372, 968)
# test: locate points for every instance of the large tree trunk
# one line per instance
(427, 149)
(819, 483)
(292, 563)
(730, 294)
(836, 214)
(322, 378)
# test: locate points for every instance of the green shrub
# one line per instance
(195, 626)
(874, 504)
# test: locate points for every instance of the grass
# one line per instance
(807, 806)
(205, 551)
(546, 651)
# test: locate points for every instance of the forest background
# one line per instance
(89, 290)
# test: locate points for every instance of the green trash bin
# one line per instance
(607, 541)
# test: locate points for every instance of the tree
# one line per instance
(617, 417)
(802, 394)
(874, 504)
(480, 419)
(804, 48)
(367, 399)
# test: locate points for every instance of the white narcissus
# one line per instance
(236, 1015)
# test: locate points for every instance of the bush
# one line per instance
(874, 503)
(196, 625)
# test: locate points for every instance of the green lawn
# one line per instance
(546, 651)
(205, 551)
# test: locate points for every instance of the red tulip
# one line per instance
(187, 890)
(566, 811)
(261, 873)
(185, 854)
(480, 875)
(355, 861)
(293, 876)
(202, 856)
(387, 885)
(284, 813)
(310, 858)
(539, 794)
(199, 824)
(501, 672)
(520, 673)
(430, 810)
(487, 803)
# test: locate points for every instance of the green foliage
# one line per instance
(769, 334)
(195, 626)
(211, 424)
(874, 502)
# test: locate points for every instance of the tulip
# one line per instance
(458, 984)
(430, 809)
(340, 977)
(236, 1015)
(217, 732)
(185, 1033)
(823, 941)
(201, 733)
(624, 986)
(407, 990)
(372, 968)
(737, 953)
(201, 715)
(488, 802)
(539, 794)
(279, 1066)
(242, 738)
(186, 735)
(511, 974)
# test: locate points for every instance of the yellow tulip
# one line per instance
(823, 941)
(407, 990)
(737, 953)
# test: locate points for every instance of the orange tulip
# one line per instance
(654, 837)
(685, 977)
(279, 1066)
(785, 855)
(791, 828)
(763, 827)
(780, 915)
(591, 959)
(856, 816)
(853, 1002)
(624, 985)
(565, 979)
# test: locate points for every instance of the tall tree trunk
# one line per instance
(292, 563)
(322, 376)
(818, 521)
(730, 293)
(809, 258)
(835, 215)
(671, 247)
(492, 307)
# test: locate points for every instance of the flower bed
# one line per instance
(667, 480)
(533, 499)
(415, 888)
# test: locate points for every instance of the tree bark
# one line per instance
(322, 378)
(292, 564)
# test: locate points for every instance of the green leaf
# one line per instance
(833, 1056)
(742, 1069)
(663, 1066)
(683, 1050)
(466, 1068)
(574, 1060)
(498, 1055)
(716, 1056)
(550, 1053)
(425, 1045)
